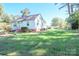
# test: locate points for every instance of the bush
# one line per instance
(5, 27)
(2, 32)
(24, 29)
(8, 29)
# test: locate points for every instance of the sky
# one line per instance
(47, 10)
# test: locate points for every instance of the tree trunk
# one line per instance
(69, 9)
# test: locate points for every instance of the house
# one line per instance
(32, 22)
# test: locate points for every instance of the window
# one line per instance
(27, 24)
(37, 23)
(14, 24)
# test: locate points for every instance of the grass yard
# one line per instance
(50, 43)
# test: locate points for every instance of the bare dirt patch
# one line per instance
(6, 35)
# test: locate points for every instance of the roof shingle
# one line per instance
(30, 17)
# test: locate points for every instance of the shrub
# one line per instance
(2, 32)
(5, 27)
(8, 29)
(24, 29)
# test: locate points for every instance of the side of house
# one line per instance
(34, 22)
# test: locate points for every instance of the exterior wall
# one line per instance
(38, 23)
(31, 24)
(42, 24)
(14, 27)
(23, 24)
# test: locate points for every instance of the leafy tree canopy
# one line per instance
(73, 17)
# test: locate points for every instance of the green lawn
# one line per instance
(50, 43)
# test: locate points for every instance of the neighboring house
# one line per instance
(32, 22)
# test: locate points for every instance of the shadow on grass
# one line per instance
(32, 45)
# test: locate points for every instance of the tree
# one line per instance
(25, 12)
(58, 22)
(55, 21)
(3, 16)
(72, 7)
(7, 18)
(1, 10)
(76, 6)
(73, 19)
(69, 7)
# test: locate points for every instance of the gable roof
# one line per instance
(30, 17)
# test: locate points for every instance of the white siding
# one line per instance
(13, 27)
(38, 20)
(32, 24)
(42, 24)
(23, 24)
